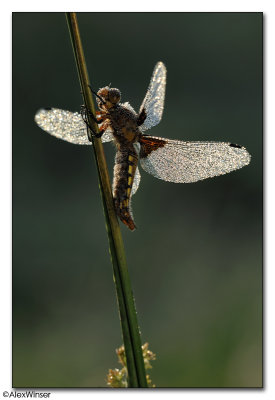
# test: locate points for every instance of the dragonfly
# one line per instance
(170, 160)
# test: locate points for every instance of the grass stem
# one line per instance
(127, 311)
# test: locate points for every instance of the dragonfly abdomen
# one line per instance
(124, 172)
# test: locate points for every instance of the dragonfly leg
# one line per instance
(102, 129)
(99, 119)
(99, 97)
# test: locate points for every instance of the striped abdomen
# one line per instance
(124, 172)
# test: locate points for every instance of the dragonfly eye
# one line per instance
(102, 95)
(114, 96)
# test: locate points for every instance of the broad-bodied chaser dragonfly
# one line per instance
(170, 160)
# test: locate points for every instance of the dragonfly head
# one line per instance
(111, 97)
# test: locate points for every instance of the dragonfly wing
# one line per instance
(153, 102)
(66, 125)
(107, 135)
(184, 162)
(136, 182)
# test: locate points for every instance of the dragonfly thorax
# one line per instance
(123, 121)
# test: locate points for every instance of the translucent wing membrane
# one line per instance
(153, 102)
(66, 125)
(184, 162)
(136, 182)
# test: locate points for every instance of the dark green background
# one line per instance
(196, 258)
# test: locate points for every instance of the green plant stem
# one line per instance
(128, 316)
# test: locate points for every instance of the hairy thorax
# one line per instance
(124, 125)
